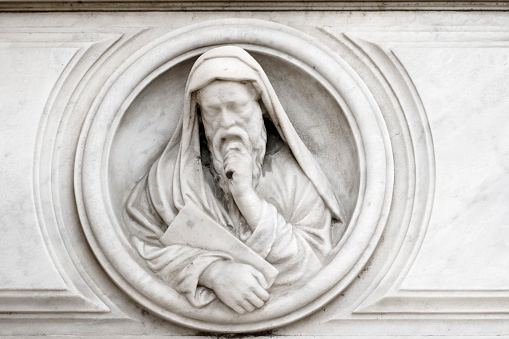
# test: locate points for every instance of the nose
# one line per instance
(227, 118)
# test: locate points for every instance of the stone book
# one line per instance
(193, 227)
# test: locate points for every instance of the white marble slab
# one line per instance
(28, 75)
(427, 101)
(466, 94)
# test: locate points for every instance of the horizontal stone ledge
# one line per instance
(249, 5)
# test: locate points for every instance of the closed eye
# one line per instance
(236, 107)
(209, 112)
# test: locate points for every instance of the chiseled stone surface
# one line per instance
(404, 112)
(26, 263)
(472, 168)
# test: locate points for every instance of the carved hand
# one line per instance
(238, 161)
(239, 169)
(240, 287)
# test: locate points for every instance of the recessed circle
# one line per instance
(118, 129)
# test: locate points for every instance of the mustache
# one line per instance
(224, 140)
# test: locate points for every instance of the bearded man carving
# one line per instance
(237, 158)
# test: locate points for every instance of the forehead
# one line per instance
(226, 91)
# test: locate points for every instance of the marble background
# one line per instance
(441, 265)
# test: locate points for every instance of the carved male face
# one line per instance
(232, 119)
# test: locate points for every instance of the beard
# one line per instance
(230, 141)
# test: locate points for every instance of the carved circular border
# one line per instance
(104, 231)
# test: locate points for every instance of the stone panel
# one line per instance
(405, 111)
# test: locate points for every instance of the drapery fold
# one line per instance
(299, 207)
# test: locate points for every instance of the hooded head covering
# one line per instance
(180, 164)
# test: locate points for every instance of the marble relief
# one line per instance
(317, 173)
(236, 206)
(225, 201)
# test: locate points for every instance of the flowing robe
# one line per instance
(293, 233)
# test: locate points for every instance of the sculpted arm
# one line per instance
(179, 266)
(297, 244)
(197, 274)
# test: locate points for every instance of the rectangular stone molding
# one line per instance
(435, 77)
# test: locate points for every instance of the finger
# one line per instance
(237, 308)
(261, 293)
(247, 305)
(255, 300)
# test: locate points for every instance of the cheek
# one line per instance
(254, 128)
(258, 123)
(253, 118)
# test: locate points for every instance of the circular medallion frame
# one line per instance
(104, 229)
